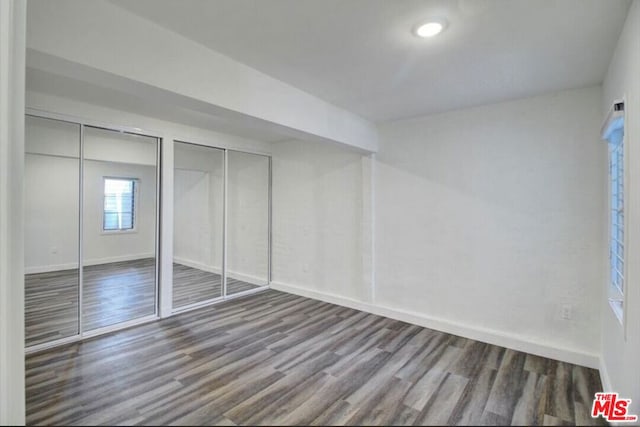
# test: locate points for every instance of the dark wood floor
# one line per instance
(275, 358)
(113, 293)
(191, 285)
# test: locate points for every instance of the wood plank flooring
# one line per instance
(118, 292)
(191, 285)
(113, 293)
(277, 359)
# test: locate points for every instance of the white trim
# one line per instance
(611, 116)
(51, 344)
(50, 268)
(220, 145)
(91, 122)
(612, 290)
(117, 231)
(12, 91)
(269, 221)
(225, 217)
(197, 265)
(119, 258)
(247, 292)
(117, 327)
(158, 225)
(96, 261)
(494, 337)
(80, 232)
(604, 377)
(254, 280)
(164, 241)
(618, 311)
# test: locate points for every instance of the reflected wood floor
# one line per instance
(191, 285)
(276, 358)
(113, 293)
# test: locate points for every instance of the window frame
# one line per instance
(616, 295)
(136, 193)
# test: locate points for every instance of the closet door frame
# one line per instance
(224, 296)
(82, 334)
(210, 301)
(160, 141)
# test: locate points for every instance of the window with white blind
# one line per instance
(119, 213)
(613, 132)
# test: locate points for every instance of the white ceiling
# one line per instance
(57, 85)
(360, 54)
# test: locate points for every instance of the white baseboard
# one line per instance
(95, 261)
(604, 377)
(198, 265)
(255, 280)
(50, 268)
(472, 332)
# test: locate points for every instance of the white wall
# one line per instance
(52, 189)
(489, 220)
(100, 247)
(248, 217)
(198, 207)
(12, 52)
(51, 213)
(198, 210)
(621, 355)
(317, 220)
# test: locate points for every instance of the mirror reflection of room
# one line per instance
(51, 236)
(198, 223)
(98, 257)
(119, 227)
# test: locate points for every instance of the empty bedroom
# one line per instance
(319, 212)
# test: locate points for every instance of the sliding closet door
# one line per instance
(198, 194)
(119, 229)
(247, 240)
(52, 169)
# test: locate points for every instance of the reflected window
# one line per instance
(119, 204)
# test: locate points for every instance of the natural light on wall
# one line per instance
(613, 133)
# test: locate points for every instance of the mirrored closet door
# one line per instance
(91, 229)
(247, 242)
(51, 230)
(198, 195)
(119, 226)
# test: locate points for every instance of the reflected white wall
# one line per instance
(198, 207)
(248, 217)
(51, 195)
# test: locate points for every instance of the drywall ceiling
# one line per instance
(58, 85)
(361, 55)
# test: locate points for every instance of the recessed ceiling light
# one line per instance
(430, 28)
